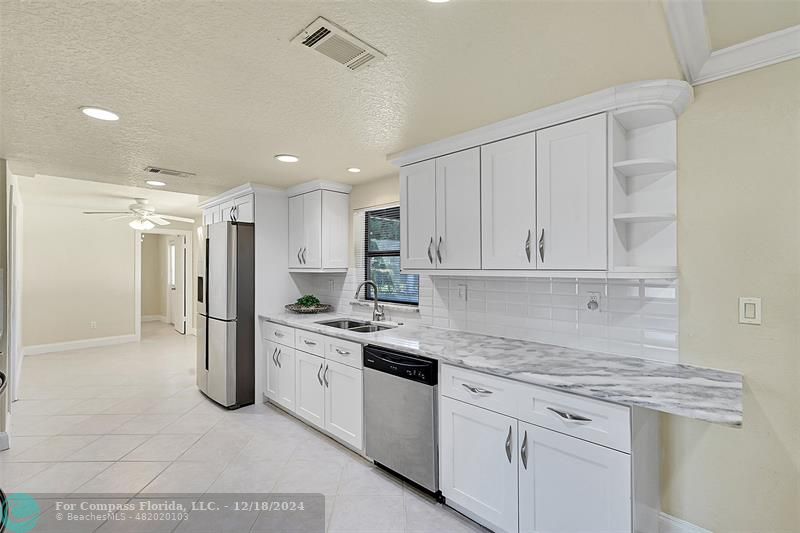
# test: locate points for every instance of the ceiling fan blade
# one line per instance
(106, 212)
(177, 219)
(127, 215)
(158, 220)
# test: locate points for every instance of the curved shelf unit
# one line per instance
(642, 116)
(644, 217)
(642, 167)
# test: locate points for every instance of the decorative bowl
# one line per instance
(296, 308)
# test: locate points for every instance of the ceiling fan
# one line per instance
(144, 215)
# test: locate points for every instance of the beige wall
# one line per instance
(154, 276)
(78, 269)
(378, 192)
(739, 235)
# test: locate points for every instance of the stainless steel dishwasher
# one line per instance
(401, 415)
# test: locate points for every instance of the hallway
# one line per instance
(127, 420)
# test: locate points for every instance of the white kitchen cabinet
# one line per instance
(458, 207)
(212, 214)
(418, 215)
(309, 388)
(571, 203)
(270, 351)
(440, 213)
(319, 230)
(344, 417)
(478, 463)
(240, 209)
(285, 377)
(508, 203)
(568, 485)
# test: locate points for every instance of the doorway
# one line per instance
(163, 273)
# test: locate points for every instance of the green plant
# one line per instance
(309, 300)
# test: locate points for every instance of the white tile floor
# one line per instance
(128, 420)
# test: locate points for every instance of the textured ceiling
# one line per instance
(92, 196)
(733, 22)
(216, 88)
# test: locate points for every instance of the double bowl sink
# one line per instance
(356, 326)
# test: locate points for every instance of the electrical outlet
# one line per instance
(331, 285)
(462, 291)
(594, 301)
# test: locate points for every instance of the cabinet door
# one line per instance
(212, 215)
(344, 417)
(570, 485)
(478, 457)
(285, 358)
(508, 203)
(225, 211)
(296, 231)
(335, 229)
(458, 210)
(571, 195)
(309, 390)
(312, 229)
(270, 351)
(244, 208)
(418, 215)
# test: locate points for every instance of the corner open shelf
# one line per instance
(633, 118)
(632, 168)
(644, 217)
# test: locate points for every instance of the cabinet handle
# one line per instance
(541, 246)
(430, 255)
(278, 334)
(278, 358)
(299, 259)
(508, 445)
(569, 416)
(476, 390)
(234, 213)
(274, 352)
(439, 250)
(304, 255)
(319, 378)
(523, 451)
(342, 352)
(325, 376)
(310, 343)
(528, 246)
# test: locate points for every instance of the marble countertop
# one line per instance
(684, 390)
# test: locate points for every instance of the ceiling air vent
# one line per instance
(335, 42)
(168, 172)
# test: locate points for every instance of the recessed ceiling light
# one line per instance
(354, 170)
(99, 113)
(438, 1)
(155, 183)
(287, 158)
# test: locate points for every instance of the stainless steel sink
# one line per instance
(343, 323)
(369, 328)
(356, 326)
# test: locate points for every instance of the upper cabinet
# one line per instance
(318, 228)
(571, 195)
(585, 188)
(439, 202)
(238, 204)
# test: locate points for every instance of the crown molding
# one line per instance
(315, 185)
(674, 94)
(701, 64)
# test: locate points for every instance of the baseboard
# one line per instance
(154, 318)
(77, 345)
(670, 524)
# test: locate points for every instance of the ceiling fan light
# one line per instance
(141, 224)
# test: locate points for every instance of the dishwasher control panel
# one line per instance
(412, 367)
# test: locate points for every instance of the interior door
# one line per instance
(478, 463)
(418, 215)
(568, 485)
(344, 410)
(176, 279)
(571, 195)
(309, 388)
(296, 231)
(508, 203)
(458, 208)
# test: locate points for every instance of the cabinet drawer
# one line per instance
(278, 333)
(345, 352)
(476, 388)
(310, 342)
(600, 422)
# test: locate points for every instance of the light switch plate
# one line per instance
(749, 310)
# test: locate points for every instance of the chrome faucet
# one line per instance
(377, 310)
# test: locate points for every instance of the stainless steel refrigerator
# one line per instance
(226, 320)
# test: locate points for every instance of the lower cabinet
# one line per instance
(280, 374)
(567, 484)
(344, 403)
(478, 463)
(309, 390)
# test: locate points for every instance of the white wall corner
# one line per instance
(670, 524)
(81, 344)
(701, 64)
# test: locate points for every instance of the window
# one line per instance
(382, 258)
